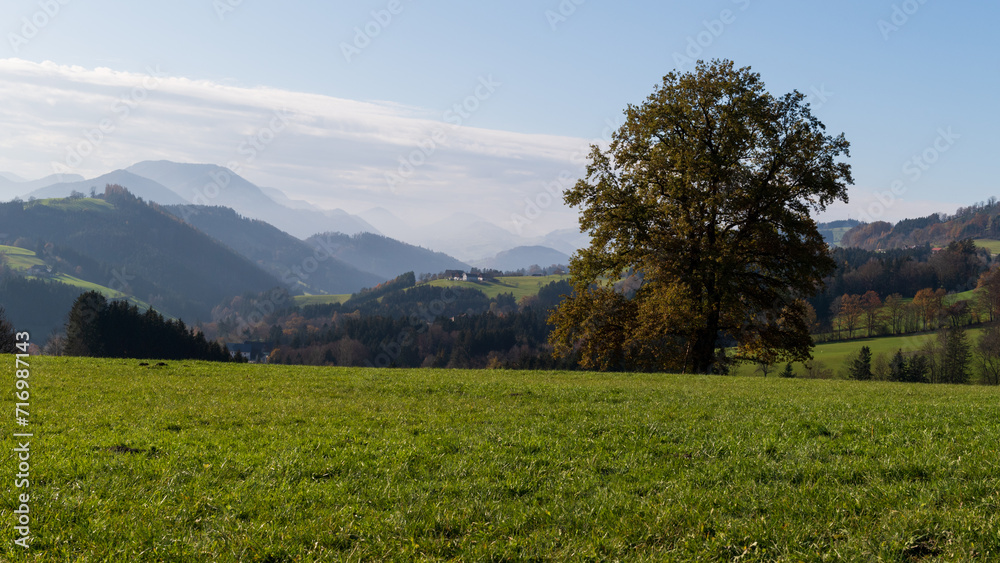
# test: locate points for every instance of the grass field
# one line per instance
(195, 461)
(838, 233)
(992, 245)
(520, 286)
(833, 355)
(304, 300)
(20, 258)
(75, 204)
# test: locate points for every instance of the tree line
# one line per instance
(421, 326)
(115, 329)
(868, 315)
(905, 272)
(949, 357)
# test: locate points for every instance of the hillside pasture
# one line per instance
(989, 244)
(75, 204)
(195, 461)
(306, 300)
(834, 355)
(21, 260)
(520, 286)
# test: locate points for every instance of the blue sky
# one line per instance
(901, 79)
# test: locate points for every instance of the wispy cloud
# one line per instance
(334, 152)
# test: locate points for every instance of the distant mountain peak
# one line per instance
(213, 185)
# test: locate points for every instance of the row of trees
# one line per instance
(948, 358)
(115, 329)
(929, 309)
(422, 326)
(954, 268)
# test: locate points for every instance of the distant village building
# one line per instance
(253, 352)
(38, 270)
(459, 275)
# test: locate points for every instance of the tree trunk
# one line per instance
(704, 345)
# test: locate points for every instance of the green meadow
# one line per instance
(22, 260)
(306, 300)
(520, 286)
(834, 355)
(196, 461)
(992, 245)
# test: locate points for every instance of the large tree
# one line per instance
(705, 198)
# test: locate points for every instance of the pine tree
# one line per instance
(957, 353)
(897, 367)
(788, 371)
(83, 335)
(918, 369)
(861, 369)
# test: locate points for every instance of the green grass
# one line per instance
(520, 286)
(21, 259)
(196, 461)
(304, 300)
(969, 295)
(75, 204)
(833, 355)
(992, 245)
(838, 233)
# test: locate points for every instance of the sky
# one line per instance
(429, 108)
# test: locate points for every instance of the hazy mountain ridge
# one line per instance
(524, 257)
(12, 185)
(211, 185)
(149, 190)
(465, 236)
(290, 259)
(833, 231)
(384, 256)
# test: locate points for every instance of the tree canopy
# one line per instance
(700, 220)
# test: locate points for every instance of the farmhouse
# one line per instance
(253, 352)
(38, 270)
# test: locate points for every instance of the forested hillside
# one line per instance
(297, 264)
(384, 256)
(120, 242)
(955, 268)
(403, 325)
(980, 220)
